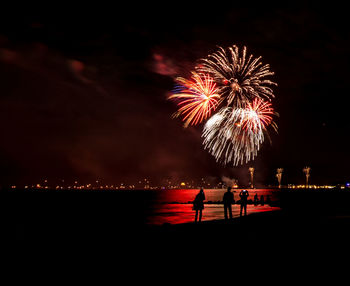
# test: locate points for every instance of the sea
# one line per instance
(175, 206)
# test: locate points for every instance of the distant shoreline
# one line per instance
(102, 189)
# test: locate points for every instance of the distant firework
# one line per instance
(240, 78)
(306, 171)
(251, 172)
(235, 133)
(279, 176)
(197, 98)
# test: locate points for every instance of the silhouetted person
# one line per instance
(268, 200)
(198, 204)
(244, 200)
(256, 199)
(262, 202)
(228, 200)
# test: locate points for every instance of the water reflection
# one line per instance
(175, 206)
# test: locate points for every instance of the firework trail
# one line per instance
(197, 98)
(251, 171)
(240, 78)
(279, 176)
(235, 135)
(306, 171)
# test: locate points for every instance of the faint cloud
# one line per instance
(163, 65)
(7, 55)
(77, 68)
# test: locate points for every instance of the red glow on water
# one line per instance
(175, 206)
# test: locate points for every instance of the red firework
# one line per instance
(197, 98)
(258, 115)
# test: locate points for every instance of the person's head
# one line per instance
(201, 190)
(229, 189)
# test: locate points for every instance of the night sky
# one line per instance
(83, 91)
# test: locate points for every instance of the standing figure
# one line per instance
(198, 204)
(268, 200)
(244, 200)
(228, 200)
(256, 200)
(262, 201)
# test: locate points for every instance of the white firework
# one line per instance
(228, 139)
(239, 78)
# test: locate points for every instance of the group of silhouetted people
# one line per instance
(228, 200)
(262, 200)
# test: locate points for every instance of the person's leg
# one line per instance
(241, 210)
(196, 216)
(225, 208)
(230, 210)
(200, 215)
(245, 209)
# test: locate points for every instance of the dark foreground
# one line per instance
(307, 227)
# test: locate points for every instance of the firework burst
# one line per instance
(258, 115)
(227, 140)
(197, 98)
(236, 134)
(240, 78)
